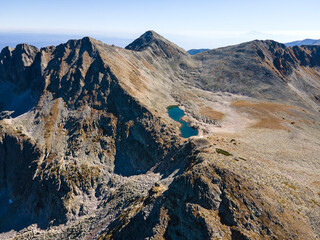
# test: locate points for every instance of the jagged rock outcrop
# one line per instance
(88, 151)
(16, 64)
(19, 85)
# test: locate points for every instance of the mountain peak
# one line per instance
(151, 33)
(144, 41)
(87, 41)
(159, 45)
(85, 44)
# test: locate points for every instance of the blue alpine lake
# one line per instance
(186, 130)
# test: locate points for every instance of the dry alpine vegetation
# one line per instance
(88, 150)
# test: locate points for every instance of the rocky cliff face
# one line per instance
(86, 141)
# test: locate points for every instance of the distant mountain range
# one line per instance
(303, 42)
(195, 51)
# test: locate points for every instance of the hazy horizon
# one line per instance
(189, 24)
(39, 40)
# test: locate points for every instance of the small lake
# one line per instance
(186, 130)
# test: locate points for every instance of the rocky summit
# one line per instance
(89, 151)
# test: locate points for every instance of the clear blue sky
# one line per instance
(189, 23)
